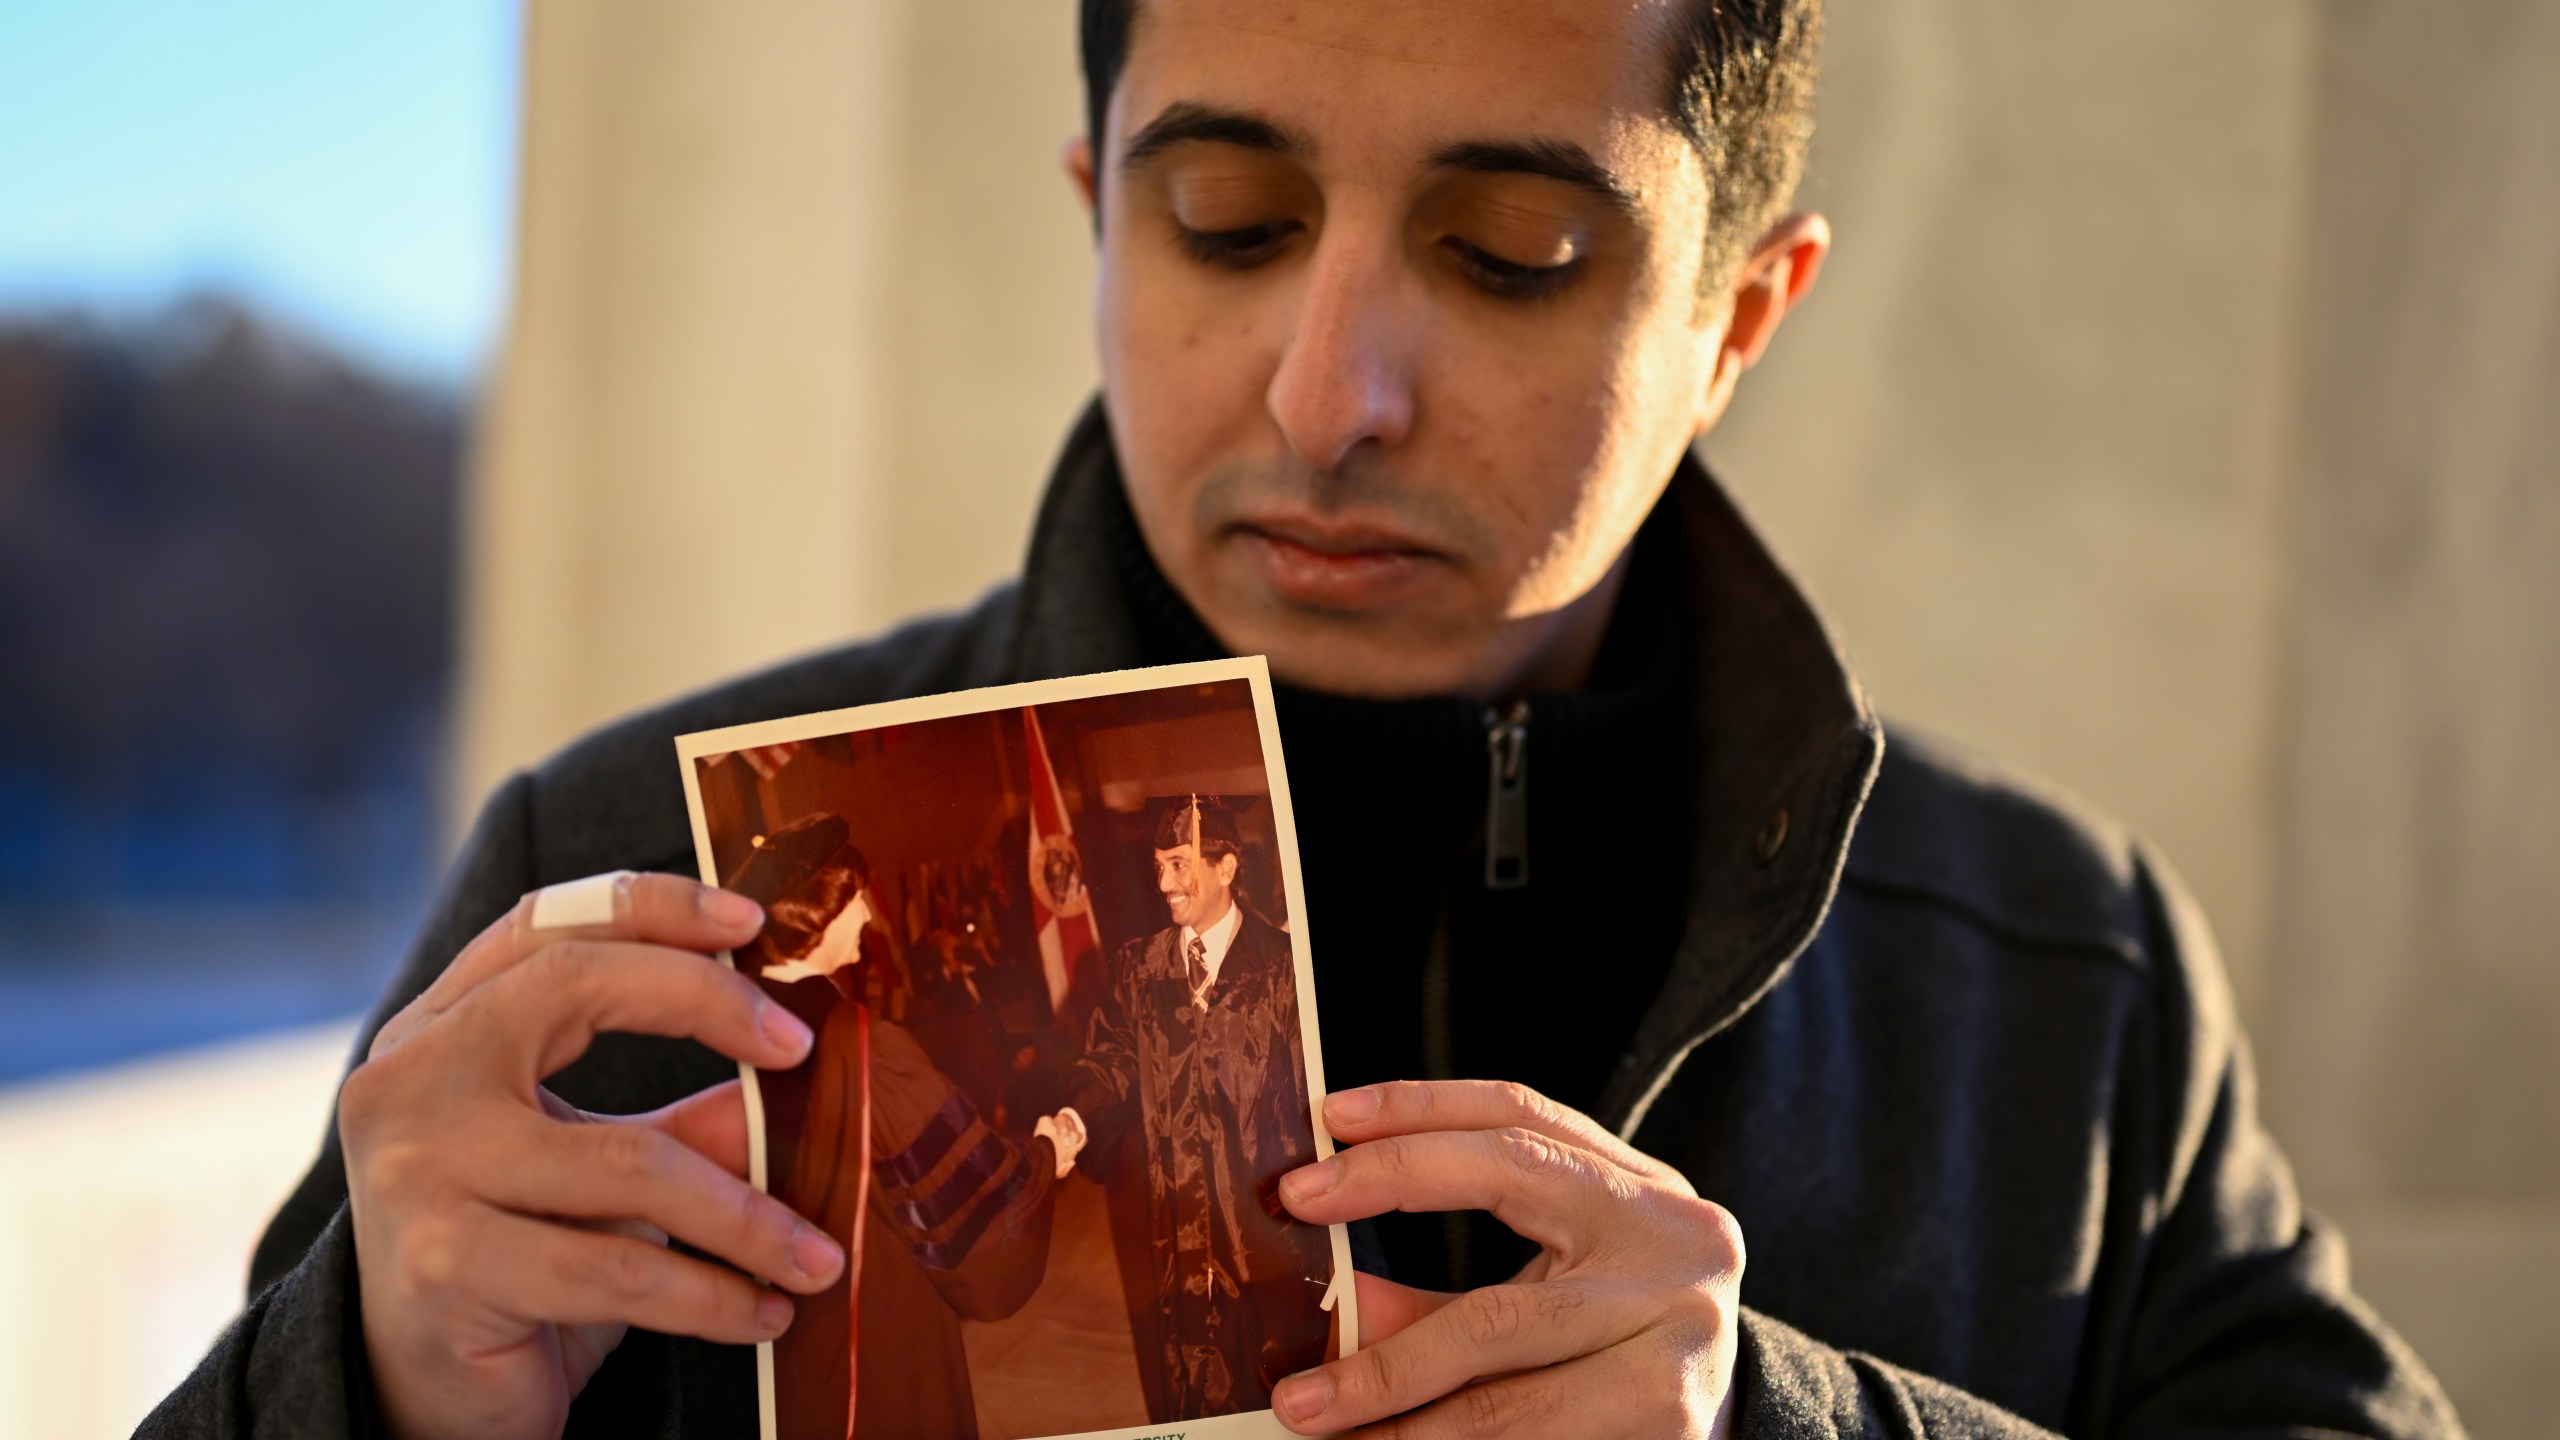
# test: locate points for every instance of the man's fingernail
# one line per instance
(782, 1027)
(773, 1312)
(1352, 1106)
(814, 1255)
(1310, 1181)
(1303, 1397)
(730, 910)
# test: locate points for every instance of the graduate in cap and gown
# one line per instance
(1193, 1058)
(942, 1218)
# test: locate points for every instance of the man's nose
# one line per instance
(1344, 375)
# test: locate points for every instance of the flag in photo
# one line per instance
(766, 760)
(1061, 906)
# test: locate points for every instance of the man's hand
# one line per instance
(1622, 1325)
(505, 1240)
(1066, 1134)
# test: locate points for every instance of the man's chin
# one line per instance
(1375, 656)
(1444, 643)
(1372, 663)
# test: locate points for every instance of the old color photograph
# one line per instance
(1050, 939)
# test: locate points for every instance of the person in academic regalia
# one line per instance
(1193, 1055)
(953, 1218)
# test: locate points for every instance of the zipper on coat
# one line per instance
(1506, 806)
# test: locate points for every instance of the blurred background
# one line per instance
(2179, 419)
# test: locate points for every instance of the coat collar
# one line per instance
(1787, 745)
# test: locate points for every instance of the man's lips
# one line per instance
(1334, 566)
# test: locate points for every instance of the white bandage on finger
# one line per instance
(575, 904)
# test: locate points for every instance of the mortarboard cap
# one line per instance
(1196, 819)
(791, 871)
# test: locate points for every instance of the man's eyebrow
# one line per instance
(1560, 160)
(1185, 120)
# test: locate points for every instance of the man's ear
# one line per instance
(1773, 281)
(1228, 865)
(1077, 156)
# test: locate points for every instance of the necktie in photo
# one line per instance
(1198, 955)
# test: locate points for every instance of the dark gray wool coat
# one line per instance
(1960, 1058)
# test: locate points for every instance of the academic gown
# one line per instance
(955, 1225)
(1214, 1103)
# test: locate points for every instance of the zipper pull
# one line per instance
(1506, 806)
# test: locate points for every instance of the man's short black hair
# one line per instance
(1740, 87)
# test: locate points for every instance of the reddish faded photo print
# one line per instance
(1048, 938)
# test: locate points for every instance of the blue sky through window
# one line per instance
(348, 166)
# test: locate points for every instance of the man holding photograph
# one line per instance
(1410, 317)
